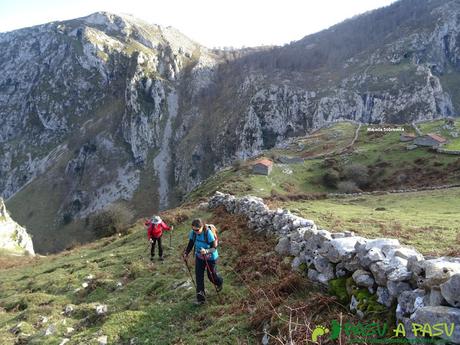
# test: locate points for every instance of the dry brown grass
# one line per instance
(9, 261)
(275, 196)
(285, 300)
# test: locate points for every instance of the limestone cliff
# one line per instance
(107, 107)
(14, 239)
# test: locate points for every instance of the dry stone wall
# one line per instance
(421, 288)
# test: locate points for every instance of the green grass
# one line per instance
(427, 220)
(146, 307)
(436, 127)
(384, 155)
(325, 140)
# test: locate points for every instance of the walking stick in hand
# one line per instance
(188, 268)
(211, 273)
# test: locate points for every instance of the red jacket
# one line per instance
(155, 230)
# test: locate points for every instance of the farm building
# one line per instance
(407, 137)
(431, 140)
(262, 167)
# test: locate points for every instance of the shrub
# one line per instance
(331, 178)
(67, 218)
(357, 173)
(348, 187)
(237, 164)
(330, 163)
(114, 219)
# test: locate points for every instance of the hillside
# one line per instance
(109, 292)
(44, 300)
(108, 108)
(395, 193)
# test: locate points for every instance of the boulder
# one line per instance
(383, 296)
(434, 272)
(363, 278)
(339, 249)
(313, 275)
(373, 255)
(323, 266)
(283, 246)
(410, 301)
(101, 309)
(434, 298)
(377, 243)
(295, 248)
(296, 263)
(436, 315)
(380, 271)
(396, 288)
(400, 274)
(404, 252)
(450, 290)
(102, 340)
(50, 330)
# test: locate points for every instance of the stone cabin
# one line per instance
(407, 137)
(262, 167)
(431, 140)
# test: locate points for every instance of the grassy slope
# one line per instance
(148, 307)
(436, 127)
(259, 288)
(427, 220)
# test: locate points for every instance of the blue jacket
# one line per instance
(201, 242)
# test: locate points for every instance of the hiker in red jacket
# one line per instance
(154, 232)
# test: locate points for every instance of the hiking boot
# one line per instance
(161, 258)
(200, 302)
(219, 287)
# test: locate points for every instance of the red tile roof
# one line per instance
(264, 161)
(436, 137)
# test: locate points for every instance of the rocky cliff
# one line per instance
(107, 107)
(14, 239)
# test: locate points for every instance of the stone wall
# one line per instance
(394, 275)
(392, 191)
(449, 152)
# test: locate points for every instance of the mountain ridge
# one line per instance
(113, 110)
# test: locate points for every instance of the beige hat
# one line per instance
(156, 220)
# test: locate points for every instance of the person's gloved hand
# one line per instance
(184, 255)
(203, 251)
(151, 240)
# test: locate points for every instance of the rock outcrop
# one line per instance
(14, 239)
(112, 108)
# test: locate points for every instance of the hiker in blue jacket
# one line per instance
(206, 255)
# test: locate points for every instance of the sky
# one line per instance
(213, 23)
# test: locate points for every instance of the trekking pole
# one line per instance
(212, 277)
(189, 272)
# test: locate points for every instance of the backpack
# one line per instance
(208, 227)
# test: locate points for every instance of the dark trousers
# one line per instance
(213, 276)
(160, 247)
